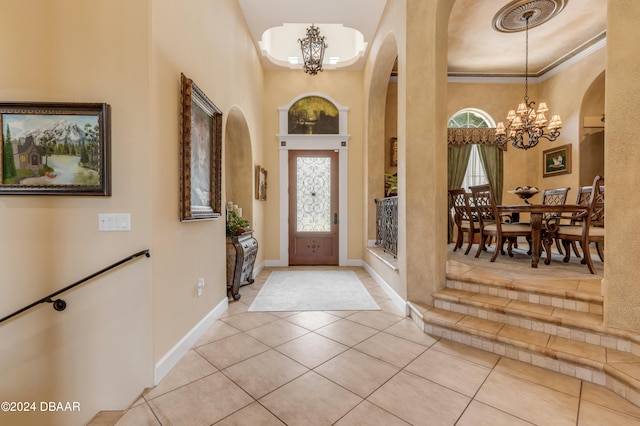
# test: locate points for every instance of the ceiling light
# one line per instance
(312, 47)
(525, 124)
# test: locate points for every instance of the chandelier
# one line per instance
(526, 125)
(312, 47)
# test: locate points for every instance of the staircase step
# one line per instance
(575, 325)
(617, 370)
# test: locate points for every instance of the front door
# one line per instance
(313, 208)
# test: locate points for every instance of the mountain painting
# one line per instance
(52, 150)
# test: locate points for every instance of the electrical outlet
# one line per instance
(200, 286)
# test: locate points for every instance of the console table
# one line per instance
(241, 256)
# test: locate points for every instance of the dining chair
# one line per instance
(586, 227)
(463, 218)
(491, 225)
(554, 197)
(584, 193)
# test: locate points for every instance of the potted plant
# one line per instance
(391, 184)
(236, 224)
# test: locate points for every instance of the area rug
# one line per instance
(313, 291)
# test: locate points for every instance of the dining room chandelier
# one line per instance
(526, 125)
(312, 47)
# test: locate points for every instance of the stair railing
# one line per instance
(60, 304)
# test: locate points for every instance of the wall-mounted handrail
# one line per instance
(59, 304)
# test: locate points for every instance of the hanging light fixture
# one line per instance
(312, 47)
(526, 125)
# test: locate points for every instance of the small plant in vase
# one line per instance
(236, 224)
(390, 184)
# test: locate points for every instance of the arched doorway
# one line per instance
(591, 161)
(238, 160)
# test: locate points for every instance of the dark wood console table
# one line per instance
(241, 256)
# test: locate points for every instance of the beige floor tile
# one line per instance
(218, 330)
(617, 357)
(230, 350)
(602, 396)
(140, 415)
(253, 414)
(597, 415)
(374, 319)
(391, 349)
(202, 402)
(450, 371)
(492, 300)
(235, 308)
(368, 414)
(105, 418)
(407, 329)
(248, 320)
(530, 307)
(312, 320)
(480, 324)
(312, 349)
(630, 369)
(528, 401)
(347, 332)
(310, 400)
(417, 400)
(596, 353)
(474, 355)
(265, 372)
(540, 376)
(478, 414)
(277, 332)
(526, 336)
(191, 367)
(357, 372)
(389, 307)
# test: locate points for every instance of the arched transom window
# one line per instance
(472, 118)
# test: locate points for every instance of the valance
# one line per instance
(472, 135)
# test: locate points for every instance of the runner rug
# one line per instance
(313, 291)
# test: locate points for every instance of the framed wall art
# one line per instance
(556, 161)
(55, 149)
(200, 154)
(261, 184)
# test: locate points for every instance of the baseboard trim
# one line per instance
(175, 354)
(389, 291)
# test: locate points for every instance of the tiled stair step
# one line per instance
(579, 326)
(578, 295)
(617, 370)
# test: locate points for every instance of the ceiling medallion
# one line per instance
(511, 18)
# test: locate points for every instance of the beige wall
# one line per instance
(102, 350)
(280, 88)
(99, 350)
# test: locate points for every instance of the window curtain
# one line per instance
(491, 158)
(457, 161)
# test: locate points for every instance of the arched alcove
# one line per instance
(238, 160)
(591, 162)
(381, 124)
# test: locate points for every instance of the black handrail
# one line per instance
(59, 304)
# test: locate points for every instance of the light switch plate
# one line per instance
(114, 222)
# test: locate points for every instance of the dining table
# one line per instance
(537, 212)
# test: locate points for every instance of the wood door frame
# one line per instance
(324, 248)
(314, 142)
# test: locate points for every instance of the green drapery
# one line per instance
(491, 159)
(457, 161)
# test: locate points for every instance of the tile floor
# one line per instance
(357, 368)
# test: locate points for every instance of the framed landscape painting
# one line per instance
(201, 155)
(557, 161)
(55, 149)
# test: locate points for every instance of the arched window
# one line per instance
(471, 117)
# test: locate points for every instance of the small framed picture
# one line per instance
(55, 149)
(557, 161)
(261, 184)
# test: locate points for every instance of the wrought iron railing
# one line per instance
(387, 224)
(60, 304)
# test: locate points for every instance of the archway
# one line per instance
(592, 159)
(238, 160)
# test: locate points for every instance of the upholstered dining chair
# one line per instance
(491, 225)
(554, 197)
(463, 218)
(586, 227)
